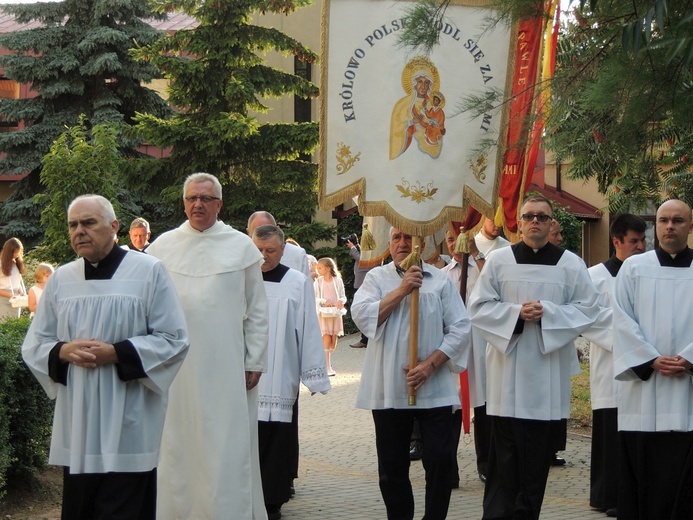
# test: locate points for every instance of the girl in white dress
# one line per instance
(329, 292)
(11, 271)
(41, 275)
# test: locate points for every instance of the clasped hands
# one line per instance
(532, 311)
(671, 366)
(88, 353)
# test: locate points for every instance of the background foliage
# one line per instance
(217, 72)
(571, 228)
(621, 106)
(26, 415)
(78, 64)
(79, 162)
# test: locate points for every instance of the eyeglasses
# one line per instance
(529, 217)
(204, 199)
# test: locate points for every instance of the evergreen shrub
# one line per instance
(26, 413)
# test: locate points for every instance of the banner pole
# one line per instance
(414, 327)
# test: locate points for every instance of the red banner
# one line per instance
(527, 58)
(548, 69)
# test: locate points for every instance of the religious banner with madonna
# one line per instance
(392, 130)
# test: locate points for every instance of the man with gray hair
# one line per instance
(108, 341)
(381, 309)
(295, 355)
(209, 459)
(139, 234)
(294, 256)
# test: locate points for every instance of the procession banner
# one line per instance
(523, 101)
(392, 132)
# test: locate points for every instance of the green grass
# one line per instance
(580, 407)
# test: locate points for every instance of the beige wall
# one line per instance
(304, 26)
(595, 234)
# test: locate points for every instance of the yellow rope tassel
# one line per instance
(367, 239)
(414, 258)
(462, 243)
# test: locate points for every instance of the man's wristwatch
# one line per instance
(478, 257)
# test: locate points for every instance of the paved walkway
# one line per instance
(338, 469)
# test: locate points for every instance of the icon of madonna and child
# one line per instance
(418, 116)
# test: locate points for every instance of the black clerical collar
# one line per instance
(683, 258)
(276, 274)
(613, 265)
(107, 267)
(546, 255)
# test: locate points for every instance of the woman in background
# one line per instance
(11, 270)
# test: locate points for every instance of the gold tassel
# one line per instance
(414, 258)
(462, 243)
(499, 218)
(367, 239)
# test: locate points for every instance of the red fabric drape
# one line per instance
(549, 68)
(514, 179)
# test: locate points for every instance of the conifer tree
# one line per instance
(78, 63)
(218, 79)
(622, 102)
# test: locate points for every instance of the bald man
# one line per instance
(653, 350)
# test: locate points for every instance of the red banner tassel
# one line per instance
(464, 398)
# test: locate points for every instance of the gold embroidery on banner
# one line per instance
(479, 169)
(417, 192)
(344, 158)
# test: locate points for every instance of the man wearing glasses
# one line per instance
(530, 302)
(209, 454)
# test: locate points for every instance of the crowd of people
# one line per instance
(186, 406)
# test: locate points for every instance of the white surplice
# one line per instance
(295, 351)
(486, 245)
(296, 258)
(443, 325)
(477, 356)
(102, 423)
(652, 319)
(600, 335)
(209, 456)
(528, 374)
